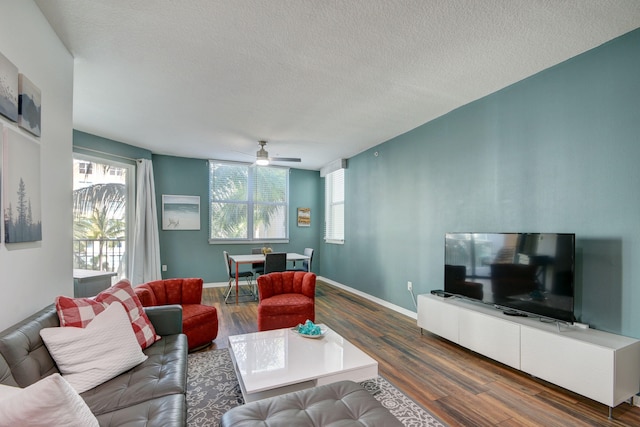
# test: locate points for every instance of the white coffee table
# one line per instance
(272, 363)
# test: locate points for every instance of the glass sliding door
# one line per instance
(102, 214)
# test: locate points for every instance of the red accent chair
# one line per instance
(199, 322)
(286, 299)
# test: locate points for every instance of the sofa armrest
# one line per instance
(6, 377)
(166, 319)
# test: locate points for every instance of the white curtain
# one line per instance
(145, 260)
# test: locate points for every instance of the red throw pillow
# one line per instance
(79, 312)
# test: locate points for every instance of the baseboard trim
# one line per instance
(387, 304)
(216, 285)
(365, 295)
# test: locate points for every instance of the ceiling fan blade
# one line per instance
(285, 159)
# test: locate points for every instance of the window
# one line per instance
(116, 171)
(102, 214)
(85, 168)
(334, 207)
(248, 202)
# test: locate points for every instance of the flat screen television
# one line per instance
(522, 273)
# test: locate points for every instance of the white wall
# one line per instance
(33, 274)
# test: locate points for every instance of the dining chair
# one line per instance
(306, 264)
(257, 267)
(247, 275)
(275, 261)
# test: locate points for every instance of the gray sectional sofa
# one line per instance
(343, 403)
(151, 394)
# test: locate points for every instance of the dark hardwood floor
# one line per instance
(459, 386)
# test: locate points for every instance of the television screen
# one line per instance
(529, 273)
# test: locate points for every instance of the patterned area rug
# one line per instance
(212, 389)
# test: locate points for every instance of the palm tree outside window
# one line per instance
(102, 212)
(248, 203)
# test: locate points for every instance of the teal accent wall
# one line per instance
(557, 152)
(105, 148)
(188, 253)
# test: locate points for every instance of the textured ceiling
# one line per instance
(318, 79)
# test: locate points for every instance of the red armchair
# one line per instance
(199, 322)
(286, 299)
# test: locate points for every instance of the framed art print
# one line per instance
(304, 217)
(180, 212)
(21, 188)
(29, 105)
(8, 89)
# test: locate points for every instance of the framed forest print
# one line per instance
(21, 188)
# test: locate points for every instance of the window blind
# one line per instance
(334, 207)
(248, 202)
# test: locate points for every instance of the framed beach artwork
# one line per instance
(8, 89)
(29, 105)
(304, 217)
(180, 212)
(22, 210)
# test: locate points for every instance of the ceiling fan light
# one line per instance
(262, 156)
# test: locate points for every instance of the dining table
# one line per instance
(259, 259)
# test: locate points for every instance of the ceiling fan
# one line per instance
(263, 159)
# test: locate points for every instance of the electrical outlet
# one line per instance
(409, 286)
(164, 267)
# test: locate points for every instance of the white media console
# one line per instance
(599, 365)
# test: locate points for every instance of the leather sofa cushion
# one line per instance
(168, 411)
(24, 350)
(155, 389)
(6, 378)
(342, 403)
(163, 373)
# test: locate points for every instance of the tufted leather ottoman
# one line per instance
(343, 403)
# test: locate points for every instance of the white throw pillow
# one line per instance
(8, 391)
(49, 402)
(104, 349)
